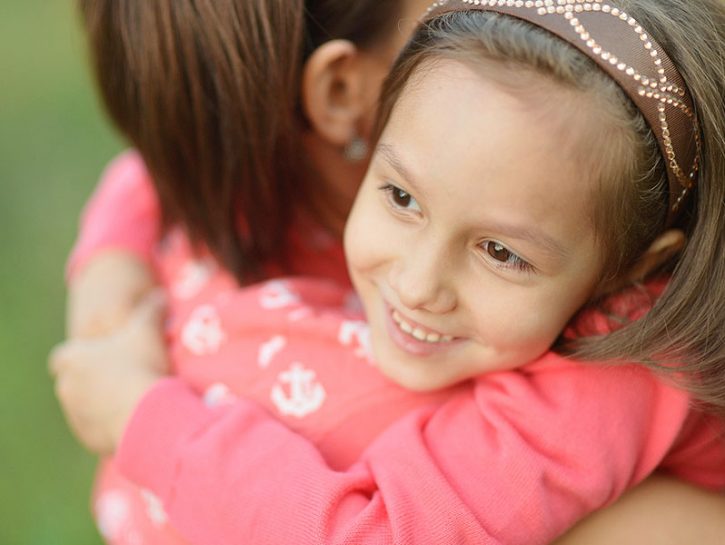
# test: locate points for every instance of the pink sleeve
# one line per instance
(123, 214)
(517, 459)
(698, 455)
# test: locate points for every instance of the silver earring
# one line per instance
(356, 149)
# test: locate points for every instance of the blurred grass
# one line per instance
(53, 143)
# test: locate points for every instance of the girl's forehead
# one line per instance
(460, 111)
(486, 155)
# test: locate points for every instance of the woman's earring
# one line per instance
(356, 149)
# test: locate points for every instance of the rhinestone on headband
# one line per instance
(626, 52)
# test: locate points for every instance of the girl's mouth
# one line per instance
(417, 331)
(414, 338)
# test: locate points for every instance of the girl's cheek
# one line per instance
(360, 244)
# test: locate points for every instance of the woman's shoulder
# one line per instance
(126, 168)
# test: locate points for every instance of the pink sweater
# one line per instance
(346, 456)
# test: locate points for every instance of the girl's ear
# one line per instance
(664, 247)
(333, 91)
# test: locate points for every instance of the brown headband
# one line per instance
(624, 50)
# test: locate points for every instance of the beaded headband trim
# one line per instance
(624, 50)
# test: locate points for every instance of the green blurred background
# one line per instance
(54, 142)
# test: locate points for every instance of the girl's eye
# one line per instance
(400, 199)
(504, 256)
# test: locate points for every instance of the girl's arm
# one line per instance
(660, 511)
(519, 460)
(108, 271)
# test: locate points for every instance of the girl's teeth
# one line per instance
(419, 333)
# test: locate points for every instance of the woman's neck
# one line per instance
(333, 183)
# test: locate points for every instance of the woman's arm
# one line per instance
(103, 293)
(660, 511)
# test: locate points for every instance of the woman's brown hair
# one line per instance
(683, 332)
(208, 92)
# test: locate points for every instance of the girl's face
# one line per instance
(471, 243)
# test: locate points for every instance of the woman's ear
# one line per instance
(333, 91)
(664, 247)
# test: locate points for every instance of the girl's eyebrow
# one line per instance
(541, 239)
(388, 153)
(535, 236)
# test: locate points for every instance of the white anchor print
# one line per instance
(305, 394)
(191, 278)
(154, 507)
(112, 513)
(277, 294)
(270, 349)
(218, 394)
(203, 333)
(356, 333)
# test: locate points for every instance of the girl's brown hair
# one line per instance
(683, 331)
(208, 92)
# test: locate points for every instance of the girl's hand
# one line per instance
(100, 381)
(103, 294)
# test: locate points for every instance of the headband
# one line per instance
(632, 58)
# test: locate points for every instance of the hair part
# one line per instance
(208, 92)
(682, 333)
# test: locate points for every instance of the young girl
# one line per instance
(433, 326)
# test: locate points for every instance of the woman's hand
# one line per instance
(103, 294)
(100, 381)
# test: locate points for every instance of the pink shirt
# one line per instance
(347, 456)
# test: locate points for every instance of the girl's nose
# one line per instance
(423, 282)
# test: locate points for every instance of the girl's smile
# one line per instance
(471, 249)
(418, 331)
(415, 338)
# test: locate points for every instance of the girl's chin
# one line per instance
(412, 381)
(408, 371)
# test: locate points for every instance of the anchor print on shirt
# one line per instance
(268, 350)
(154, 508)
(218, 394)
(297, 393)
(192, 278)
(356, 333)
(114, 518)
(202, 334)
(277, 294)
